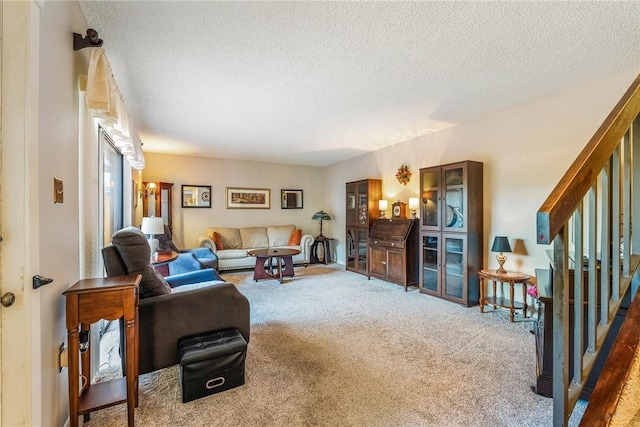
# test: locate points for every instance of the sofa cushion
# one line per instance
(230, 237)
(134, 250)
(279, 234)
(217, 240)
(294, 239)
(232, 254)
(254, 237)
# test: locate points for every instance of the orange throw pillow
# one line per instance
(218, 241)
(294, 239)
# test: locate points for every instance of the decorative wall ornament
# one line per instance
(403, 175)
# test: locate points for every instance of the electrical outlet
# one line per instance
(63, 357)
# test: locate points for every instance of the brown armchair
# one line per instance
(175, 306)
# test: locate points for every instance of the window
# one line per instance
(112, 187)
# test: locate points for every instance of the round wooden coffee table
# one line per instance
(273, 263)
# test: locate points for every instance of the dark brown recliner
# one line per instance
(175, 306)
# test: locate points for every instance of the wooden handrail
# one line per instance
(558, 207)
(615, 373)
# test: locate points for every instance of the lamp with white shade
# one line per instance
(383, 205)
(151, 226)
(413, 206)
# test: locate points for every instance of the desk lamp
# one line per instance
(322, 216)
(413, 206)
(501, 244)
(382, 206)
(151, 226)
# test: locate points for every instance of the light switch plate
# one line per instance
(58, 191)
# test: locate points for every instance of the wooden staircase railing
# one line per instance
(588, 217)
(602, 408)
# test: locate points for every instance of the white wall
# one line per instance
(189, 223)
(58, 153)
(525, 151)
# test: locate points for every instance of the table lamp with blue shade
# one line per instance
(501, 244)
(322, 216)
(152, 225)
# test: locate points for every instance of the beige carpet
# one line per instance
(331, 348)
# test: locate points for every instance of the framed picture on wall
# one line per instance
(196, 196)
(291, 199)
(248, 198)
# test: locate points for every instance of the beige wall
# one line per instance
(58, 156)
(189, 223)
(525, 151)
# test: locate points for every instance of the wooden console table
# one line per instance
(511, 278)
(89, 301)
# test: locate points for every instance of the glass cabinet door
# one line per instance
(454, 261)
(351, 248)
(429, 282)
(361, 249)
(363, 204)
(351, 205)
(430, 198)
(454, 212)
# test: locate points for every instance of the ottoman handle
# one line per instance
(214, 382)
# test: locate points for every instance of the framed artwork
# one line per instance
(291, 199)
(248, 198)
(196, 196)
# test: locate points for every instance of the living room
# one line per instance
(525, 150)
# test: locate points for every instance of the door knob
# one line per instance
(8, 299)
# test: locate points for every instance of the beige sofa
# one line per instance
(237, 241)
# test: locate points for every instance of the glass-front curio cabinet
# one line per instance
(362, 199)
(451, 231)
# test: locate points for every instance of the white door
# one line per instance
(18, 133)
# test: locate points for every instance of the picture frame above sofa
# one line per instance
(196, 196)
(291, 199)
(248, 198)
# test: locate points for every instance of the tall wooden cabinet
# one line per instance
(362, 209)
(393, 251)
(451, 231)
(157, 202)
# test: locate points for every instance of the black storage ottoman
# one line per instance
(211, 362)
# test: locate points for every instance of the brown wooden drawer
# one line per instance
(400, 244)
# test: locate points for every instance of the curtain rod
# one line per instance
(91, 40)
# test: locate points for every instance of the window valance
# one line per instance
(103, 97)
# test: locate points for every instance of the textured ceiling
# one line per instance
(314, 83)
